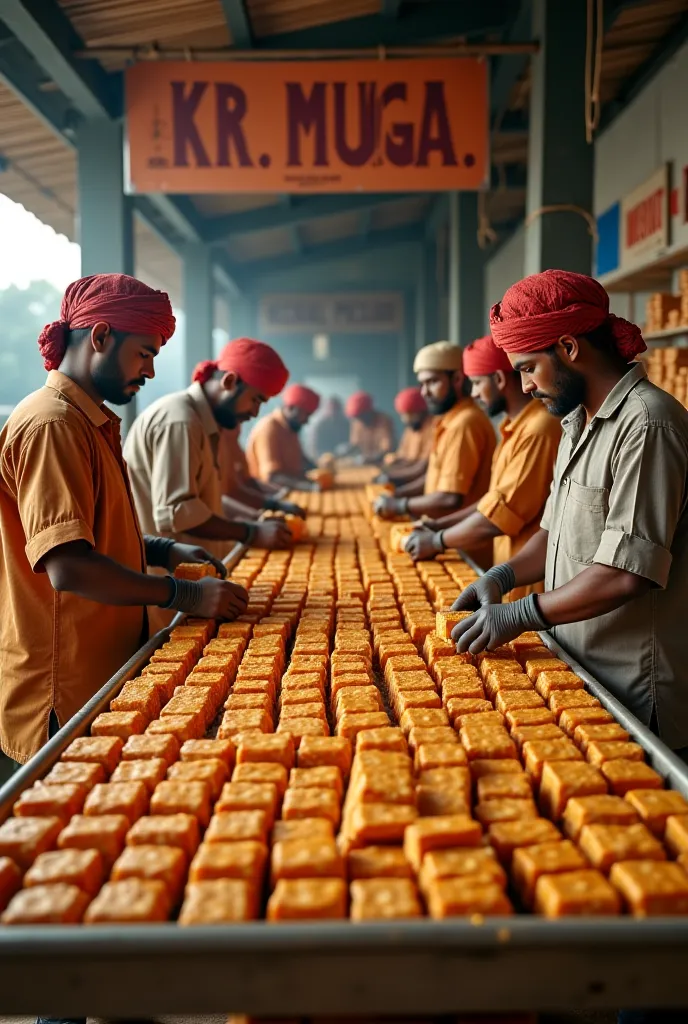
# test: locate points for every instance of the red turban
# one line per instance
(482, 357)
(410, 402)
(542, 308)
(118, 300)
(256, 363)
(358, 404)
(301, 397)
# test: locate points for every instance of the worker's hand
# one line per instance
(497, 624)
(483, 591)
(423, 544)
(221, 600)
(387, 506)
(193, 553)
(291, 509)
(489, 588)
(272, 534)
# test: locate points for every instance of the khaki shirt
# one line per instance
(620, 498)
(232, 459)
(522, 470)
(463, 445)
(375, 440)
(273, 447)
(62, 479)
(171, 452)
(416, 445)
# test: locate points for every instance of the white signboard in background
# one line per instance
(645, 221)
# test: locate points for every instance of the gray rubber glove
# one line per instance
(489, 588)
(423, 544)
(387, 506)
(497, 624)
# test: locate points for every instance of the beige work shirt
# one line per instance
(619, 497)
(172, 456)
(62, 479)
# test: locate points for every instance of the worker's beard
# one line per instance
(438, 406)
(225, 410)
(568, 390)
(109, 382)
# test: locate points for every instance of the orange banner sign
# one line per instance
(321, 126)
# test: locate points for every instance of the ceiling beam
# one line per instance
(179, 214)
(390, 8)
(224, 276)
(426, 22)
(246, 273)
(20, 73)
(42, 27)
(667, 47)
(287, 215)
(238, 23)
(509, 68)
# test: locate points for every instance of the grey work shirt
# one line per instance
(620, 497)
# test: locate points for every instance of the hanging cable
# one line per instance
(594, 39)
(566, 208)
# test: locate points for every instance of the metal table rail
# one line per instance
(337, 968)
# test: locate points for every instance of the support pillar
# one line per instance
(429, 329)
(105, 226)
(198, 299)
(560, 161)
(466, 286)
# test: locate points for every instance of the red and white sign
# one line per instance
(645, 221)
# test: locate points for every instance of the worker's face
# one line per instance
(414, 421)
(296, 418)
(237, 402)
(440, 389)
(121, 363)
(487, 393)
(551, 376)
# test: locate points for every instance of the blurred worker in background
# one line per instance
(242, 494)
(274, 451)
(522, 467)
(612, 547)
(328, 431)
(372, 432)
(73, 586)
(410, 460)
(464, 441)
(172, 451)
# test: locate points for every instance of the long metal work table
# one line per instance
(336, 968)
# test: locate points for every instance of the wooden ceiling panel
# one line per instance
(270, 17)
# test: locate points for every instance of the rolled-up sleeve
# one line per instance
(645, 503)
(52, 468)
(517, 497)
(178, 455)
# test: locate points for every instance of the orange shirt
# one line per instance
(461, 455)
(416, 445)
(375, 440)
(522, 471)
(273, 447)
(62, 479)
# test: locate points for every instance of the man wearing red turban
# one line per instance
(458, 471)
(73, 586)
(372, 431)
(172, 452)
(613, 542)
(522, 467)
(410, 460)
(274, 450)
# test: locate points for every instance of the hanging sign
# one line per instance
(315, 126)
(645, 221)
(337, 313)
